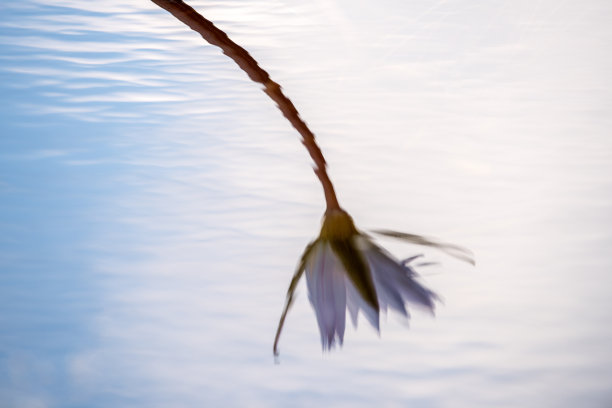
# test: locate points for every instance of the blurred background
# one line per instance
(154, 202)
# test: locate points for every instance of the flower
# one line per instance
(344, 270)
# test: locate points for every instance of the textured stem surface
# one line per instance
(216, 36)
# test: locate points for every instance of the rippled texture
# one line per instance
(153, 202)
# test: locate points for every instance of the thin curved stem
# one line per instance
(215, 36)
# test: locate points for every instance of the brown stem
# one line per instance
(215, 36)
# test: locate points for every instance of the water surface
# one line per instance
(154, 202)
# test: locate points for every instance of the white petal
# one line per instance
(325, 278)
(395, 283)
(353, 307)
(356, 302)
(385, 280)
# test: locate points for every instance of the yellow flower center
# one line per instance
(337, 225)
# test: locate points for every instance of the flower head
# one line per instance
(344, 270)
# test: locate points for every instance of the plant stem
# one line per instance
(216, 36)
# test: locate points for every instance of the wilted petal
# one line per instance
(356, 302)
(395, 282)
(387, 288)
(406, 261)
(326, 283)
(352, 305)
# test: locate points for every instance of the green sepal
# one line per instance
(356, 268)
(456, 251)
(291, 291)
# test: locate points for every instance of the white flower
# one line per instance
(331, 287)
(346, 270)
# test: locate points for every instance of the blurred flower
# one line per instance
(345, 269)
